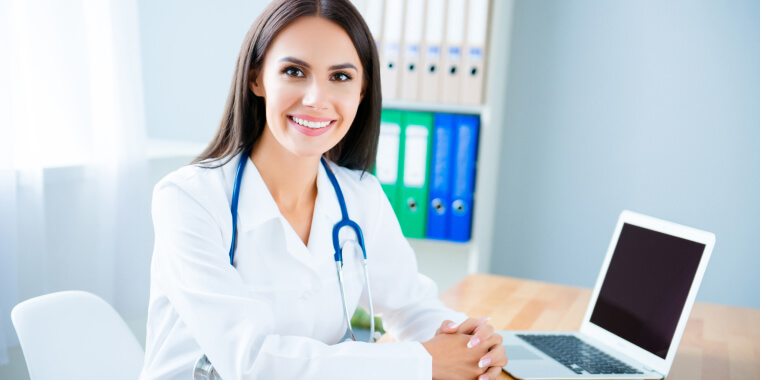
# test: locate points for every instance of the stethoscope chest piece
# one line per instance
(204, 370)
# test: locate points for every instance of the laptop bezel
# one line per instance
(649, 360)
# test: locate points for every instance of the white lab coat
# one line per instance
(277, 314)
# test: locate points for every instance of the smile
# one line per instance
(313, 127)
(311, 124)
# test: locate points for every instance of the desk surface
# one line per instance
(720, 342)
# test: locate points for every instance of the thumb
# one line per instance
(447, 327)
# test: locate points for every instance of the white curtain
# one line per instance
(74, 197)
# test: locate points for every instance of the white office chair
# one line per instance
(75, 335)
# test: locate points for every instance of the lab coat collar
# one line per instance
(257, 206)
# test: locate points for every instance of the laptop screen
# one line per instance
(646, 286)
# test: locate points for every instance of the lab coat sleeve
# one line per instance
(406, 299)
(232, 327)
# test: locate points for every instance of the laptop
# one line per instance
(637, 313)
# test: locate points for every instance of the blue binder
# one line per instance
(463, 177)
(441, 166)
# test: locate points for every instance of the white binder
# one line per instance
(431, 64)
(410, 67)
(372, 11)
(455, 27)
(475, 53)
(392, 32)
(388, 149)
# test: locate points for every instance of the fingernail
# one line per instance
(484, 362)
(473, 342)
(484, 319)
(452, 325)
(483, 377)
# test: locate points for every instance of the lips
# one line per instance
(311, 120)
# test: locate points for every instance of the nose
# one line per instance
(316, 95)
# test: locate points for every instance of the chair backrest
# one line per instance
(76, 335)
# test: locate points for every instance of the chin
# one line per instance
(307, 152)
(306, 149)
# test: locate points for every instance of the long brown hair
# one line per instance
(244, 117)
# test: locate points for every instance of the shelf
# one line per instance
(447, 262)
(440, 245)
(407, 105)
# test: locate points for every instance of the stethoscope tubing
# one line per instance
(338, 255)
(236, 197)
(204, 369)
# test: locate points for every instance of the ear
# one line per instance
(254, 83)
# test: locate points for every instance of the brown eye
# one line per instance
(341, 77)
(293, 72)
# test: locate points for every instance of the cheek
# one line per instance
(350, 102)
(280, 96)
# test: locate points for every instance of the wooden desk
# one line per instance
(720, 342)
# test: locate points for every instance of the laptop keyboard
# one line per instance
(577, 355)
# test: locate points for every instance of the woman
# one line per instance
(305, 86)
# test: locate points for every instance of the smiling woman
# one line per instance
(312, 74)
(303, 116)
(245, 114)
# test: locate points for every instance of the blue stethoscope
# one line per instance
(344, 222)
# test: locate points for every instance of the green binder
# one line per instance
(388, 153)
(414, 169)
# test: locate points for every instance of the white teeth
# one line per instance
(311, 124)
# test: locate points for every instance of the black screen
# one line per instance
(646, 286)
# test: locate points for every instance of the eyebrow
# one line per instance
(304, 64)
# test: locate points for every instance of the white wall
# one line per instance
(644, 105)
(189, 49)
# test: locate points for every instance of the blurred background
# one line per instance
(590, 108)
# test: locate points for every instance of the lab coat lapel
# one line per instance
(262, 207)
(256, 206)
(255, 203)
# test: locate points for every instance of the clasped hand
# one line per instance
(468, 351)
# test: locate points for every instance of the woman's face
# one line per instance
(311, 80)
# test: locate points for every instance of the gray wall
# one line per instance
(189, 49)
(644, 105)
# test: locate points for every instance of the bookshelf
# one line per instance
(448, 262)
(432, 107)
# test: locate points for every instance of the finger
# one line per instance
(447, 327)
(469, 326)
(495, 340)
(482, 333)
(497, 356)
(491, 374)
(492, 341)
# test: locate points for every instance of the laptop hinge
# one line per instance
(651, 370)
